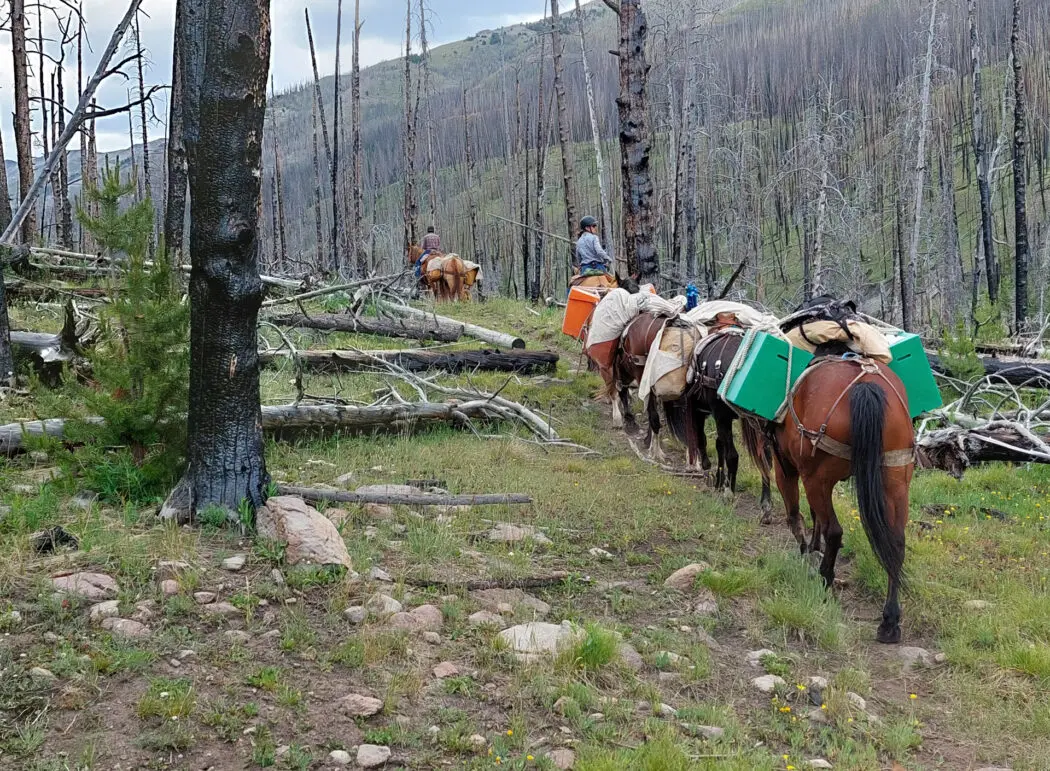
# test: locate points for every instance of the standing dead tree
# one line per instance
(226, 55)
(564, 125)
(919, 182)
(337, 204)
(411, 210)
(147, 183)
(23, 130)
(356, 233)
(635, 142)
(1020, 179)
(599, 159)
(984, 172)
(175, 194)
(425, 64)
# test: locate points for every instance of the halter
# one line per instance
(819, 439)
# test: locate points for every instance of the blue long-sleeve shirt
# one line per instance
(589, 252)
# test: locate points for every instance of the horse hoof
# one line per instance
(767, 518)
(888, 635)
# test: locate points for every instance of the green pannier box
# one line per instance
(913, 368)
(757, 380)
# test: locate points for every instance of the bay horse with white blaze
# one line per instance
(866, 433)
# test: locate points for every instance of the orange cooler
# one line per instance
(579, 309)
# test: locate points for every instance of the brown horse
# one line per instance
(867, 433)
(603, 281)
(451, 282)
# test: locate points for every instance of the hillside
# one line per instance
(767, 68)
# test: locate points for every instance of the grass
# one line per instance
(986, 705)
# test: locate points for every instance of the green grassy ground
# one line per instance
(268, 699)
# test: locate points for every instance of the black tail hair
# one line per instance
(867, 404)
(677, 414)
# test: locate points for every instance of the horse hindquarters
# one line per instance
(867, 422)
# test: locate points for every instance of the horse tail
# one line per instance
(677, 413)
(756, 448)
(867, 406)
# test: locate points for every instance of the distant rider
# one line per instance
(591, 256)
(431, 241)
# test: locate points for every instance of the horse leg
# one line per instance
(699, 421)
(819, 494)
(787, 483)
(656, 453)
(732, 456)
(625, 405)
(889, 630)
(617, 412)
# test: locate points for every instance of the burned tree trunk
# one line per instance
(63, 207)
(984, 188)
(5, 196)
(409, 161)
(23, 130)
(472, 204)
(564, 127)
(636, 144)
(1020, 180)
(279, 235)
(599, 160)
(356, 239)
(425, 63)
(225, 59)
(337, 239)
(317, 93)
(321, 253)
(175, 195)
(147, 180)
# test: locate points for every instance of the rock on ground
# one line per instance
(492, 599)
(234, 563)
(310, 537)
(768, 683)
(818, 763)
(425, 618)
(359, 705)
(445, 669)
(170, 569)
(355, 614)
(339, 757)
(709, 732)
(630, 657)
(104, 610)
(372, 755)
(222, 610)
(93, 587)
(507, 533)
(683, 578)
(706, 603)
(383, 606)
(126, 628)
(537, 638)
(915, 658)
(562, 759)
(204, 598)
(379, 511)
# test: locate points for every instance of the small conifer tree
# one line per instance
(141, 369)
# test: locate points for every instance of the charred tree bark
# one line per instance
(5, 196)
(280, 235)
(226, 57)
(357, 205)
(23, 130)
(472, 204)
(522, 362)
(7, 361)
(147, 180)
(425, 62)
(424, 330)
(980, 151)
(1020, 179)
(317, 95)
(411, 210)
(535, 280)
(45, 123)
(337, 241)
(322, 255)
(636, 145)
(564, 127)
(175, 195)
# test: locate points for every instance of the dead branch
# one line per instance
(522, 362)
(327, 290)
(446, 333)
(311, 495)
(480, 333)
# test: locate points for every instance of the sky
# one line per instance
(382, 37)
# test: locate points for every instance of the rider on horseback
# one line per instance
(589, 252)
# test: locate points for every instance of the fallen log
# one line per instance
(34, 291)
(330, 322)
(471, 330)
(299, 417)
(311, 495)
(522, 362)
(1017, 372)
(955, 449)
